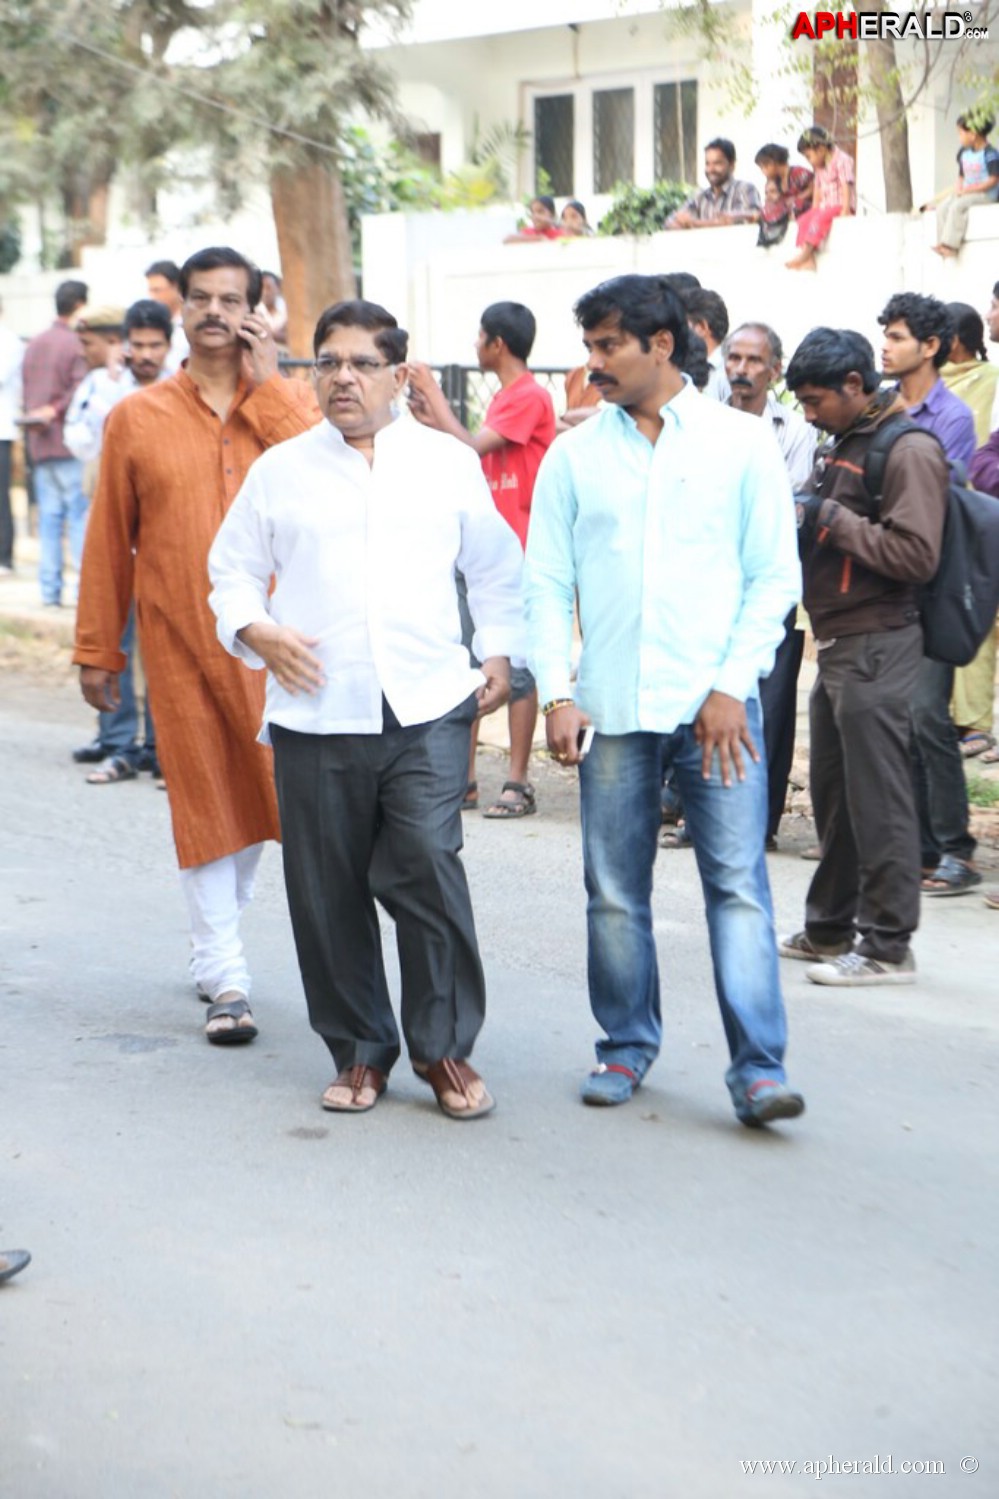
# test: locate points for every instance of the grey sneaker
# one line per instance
(800, 945)
(767, 1101)
(854, 969)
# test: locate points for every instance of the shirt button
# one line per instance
(225, 442)
(228, 470)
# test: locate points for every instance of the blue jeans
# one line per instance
(118, 728)
(62, 506)
(620, 784)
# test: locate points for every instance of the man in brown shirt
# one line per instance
(53, 367)
(861, 581)
(174, 457)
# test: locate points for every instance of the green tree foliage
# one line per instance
(287, 79)
(79, 101)
(882, 79)
(642, 210)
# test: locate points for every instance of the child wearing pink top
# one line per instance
(832, 198)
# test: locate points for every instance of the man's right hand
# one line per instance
(427, 401)
(287, 655)
(562, 727)
(100, 688)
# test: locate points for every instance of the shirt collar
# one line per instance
(335, 436)
(932, 401)
(674, 413)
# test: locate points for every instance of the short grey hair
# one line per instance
(773, 342)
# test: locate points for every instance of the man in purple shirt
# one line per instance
(917, 339)
(53, 367)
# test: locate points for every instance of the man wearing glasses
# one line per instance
(173, 458)
(370, 702)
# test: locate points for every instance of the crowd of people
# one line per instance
(318, 671)
(811, 197)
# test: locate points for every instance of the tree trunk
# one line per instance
(310, 216)
(98, 206)
(86, 205)
(894, 126)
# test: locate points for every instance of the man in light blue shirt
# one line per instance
(670, 518)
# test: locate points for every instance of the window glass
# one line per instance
(613, 138)
(676, 131)
(554, 142)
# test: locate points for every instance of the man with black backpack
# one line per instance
(918, 332)
(861, 585)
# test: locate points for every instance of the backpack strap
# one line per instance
(876, 457)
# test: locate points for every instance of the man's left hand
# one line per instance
(496, 670)
(721, 725)
(260, 359)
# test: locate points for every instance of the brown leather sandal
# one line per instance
(451, 1076)
(356, 1078)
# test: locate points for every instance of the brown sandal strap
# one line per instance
(359, 1077)
(450, 1075)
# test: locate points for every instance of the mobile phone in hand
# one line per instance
(584, 740)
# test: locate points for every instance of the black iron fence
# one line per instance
(469, 389)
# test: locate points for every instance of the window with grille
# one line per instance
(554, 143)
(613, 137)
(675, 124)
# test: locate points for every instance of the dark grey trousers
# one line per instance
(941, 787)
(6, 514)
(867, 881)
(779, 701)
(378, 816)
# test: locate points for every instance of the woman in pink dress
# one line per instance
(832, 197)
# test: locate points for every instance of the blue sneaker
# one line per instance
(609, 1084)
(766, 1101)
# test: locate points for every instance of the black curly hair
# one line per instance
(925, 318)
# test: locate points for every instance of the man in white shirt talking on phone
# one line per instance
(370, 701)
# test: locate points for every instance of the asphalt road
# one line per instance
(235, 1294)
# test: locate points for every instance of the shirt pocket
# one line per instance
(700, 515)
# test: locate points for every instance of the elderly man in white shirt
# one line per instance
(753, 363)
(370, 700)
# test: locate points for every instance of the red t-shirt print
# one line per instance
(523, 415)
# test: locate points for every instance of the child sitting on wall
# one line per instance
(977, 182)
(832, 196)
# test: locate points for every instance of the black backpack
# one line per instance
(958, 605)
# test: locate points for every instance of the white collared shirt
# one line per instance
(95, 396)
(11, 359)
(179, 347)
(795, 438)
(364, 557)
(717, 388)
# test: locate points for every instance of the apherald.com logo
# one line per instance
(884, 25)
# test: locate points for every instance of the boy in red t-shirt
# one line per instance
(518, 429)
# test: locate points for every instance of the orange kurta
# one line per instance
(170, 469)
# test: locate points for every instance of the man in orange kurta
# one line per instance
(174, 457)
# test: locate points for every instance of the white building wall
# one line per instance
(493, 80)
(436, 273)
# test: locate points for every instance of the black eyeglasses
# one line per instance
(361, 364)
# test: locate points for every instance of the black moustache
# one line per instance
(747, 383)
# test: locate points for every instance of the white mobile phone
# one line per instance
(584, 741)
